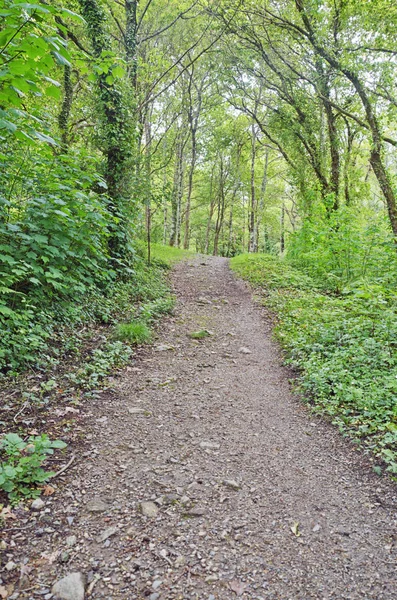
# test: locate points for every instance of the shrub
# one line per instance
(21, 468)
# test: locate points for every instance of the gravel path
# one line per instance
(207, 479)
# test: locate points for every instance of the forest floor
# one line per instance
(203, 477)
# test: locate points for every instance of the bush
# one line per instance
(21, 468)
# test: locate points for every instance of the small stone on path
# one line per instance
(96, 505)
(196, 512)
(37, 504)
(210, 445)
(149, 509)
(106, 534)
(137, 410)
(164, 348)
(70, 587)
(71, 540)
(244, 350)
(231, 484)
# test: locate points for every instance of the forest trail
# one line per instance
(246, 493)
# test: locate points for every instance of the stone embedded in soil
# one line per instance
(149, 509)
(96, 505)
(71, 540)
(109, 532)
(210, 445)
(136, 410)
(230, 483)
(164, 348)
(196, 512)
(244, 350)
(37, 504)
(71, 587)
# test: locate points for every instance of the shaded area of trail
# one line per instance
(246, 493)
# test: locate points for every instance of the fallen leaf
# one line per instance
(238, 587)
(5, 513)
(48, 490)
(295, 529)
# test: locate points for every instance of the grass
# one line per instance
(169, 255)
(199, 335)
(343, 345)
(136, 332)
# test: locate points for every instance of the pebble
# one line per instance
(10, 566)
(231, 484)
(71, 587)
(107, 534)
(149, 509)
(196, 512)
(154, 596)
(37, 504)
(210, 445)
(136, 410)
(157, 584)
(71, 540)
(96, 505)
(164, 348)
(244, 350)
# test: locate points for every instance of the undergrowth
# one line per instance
(81, 344)
(344, 346)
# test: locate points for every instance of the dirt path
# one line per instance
(208, 436)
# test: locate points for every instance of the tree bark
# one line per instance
(252, 205)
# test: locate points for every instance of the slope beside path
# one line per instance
(207, 479)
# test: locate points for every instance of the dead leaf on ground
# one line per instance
(238, 587)
(48, 490)
(295, 529)
(5, 513)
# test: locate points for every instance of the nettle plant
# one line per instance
(21, 466)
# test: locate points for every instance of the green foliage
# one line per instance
(344, 346)
(52, 249)
(136, 332)
(111, 355)
(30, 49)
(168, 255)
(21, 468)
(199, 335)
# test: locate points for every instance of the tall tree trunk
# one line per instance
(193, 118)
(210, 214)
(282, 229)
(252, 205)
(221, 208)
(348, 158)
(63, 118)
(148, 186)
(177, 193)
(260, 214)
(130, 40)
(165, 204)
(117, 139)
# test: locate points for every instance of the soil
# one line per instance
(204, 476)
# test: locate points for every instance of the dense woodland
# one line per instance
(217, 126)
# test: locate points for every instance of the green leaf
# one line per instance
(61, 60)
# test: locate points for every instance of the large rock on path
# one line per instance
(71, 587)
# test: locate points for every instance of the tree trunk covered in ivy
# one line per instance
(116, 133)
